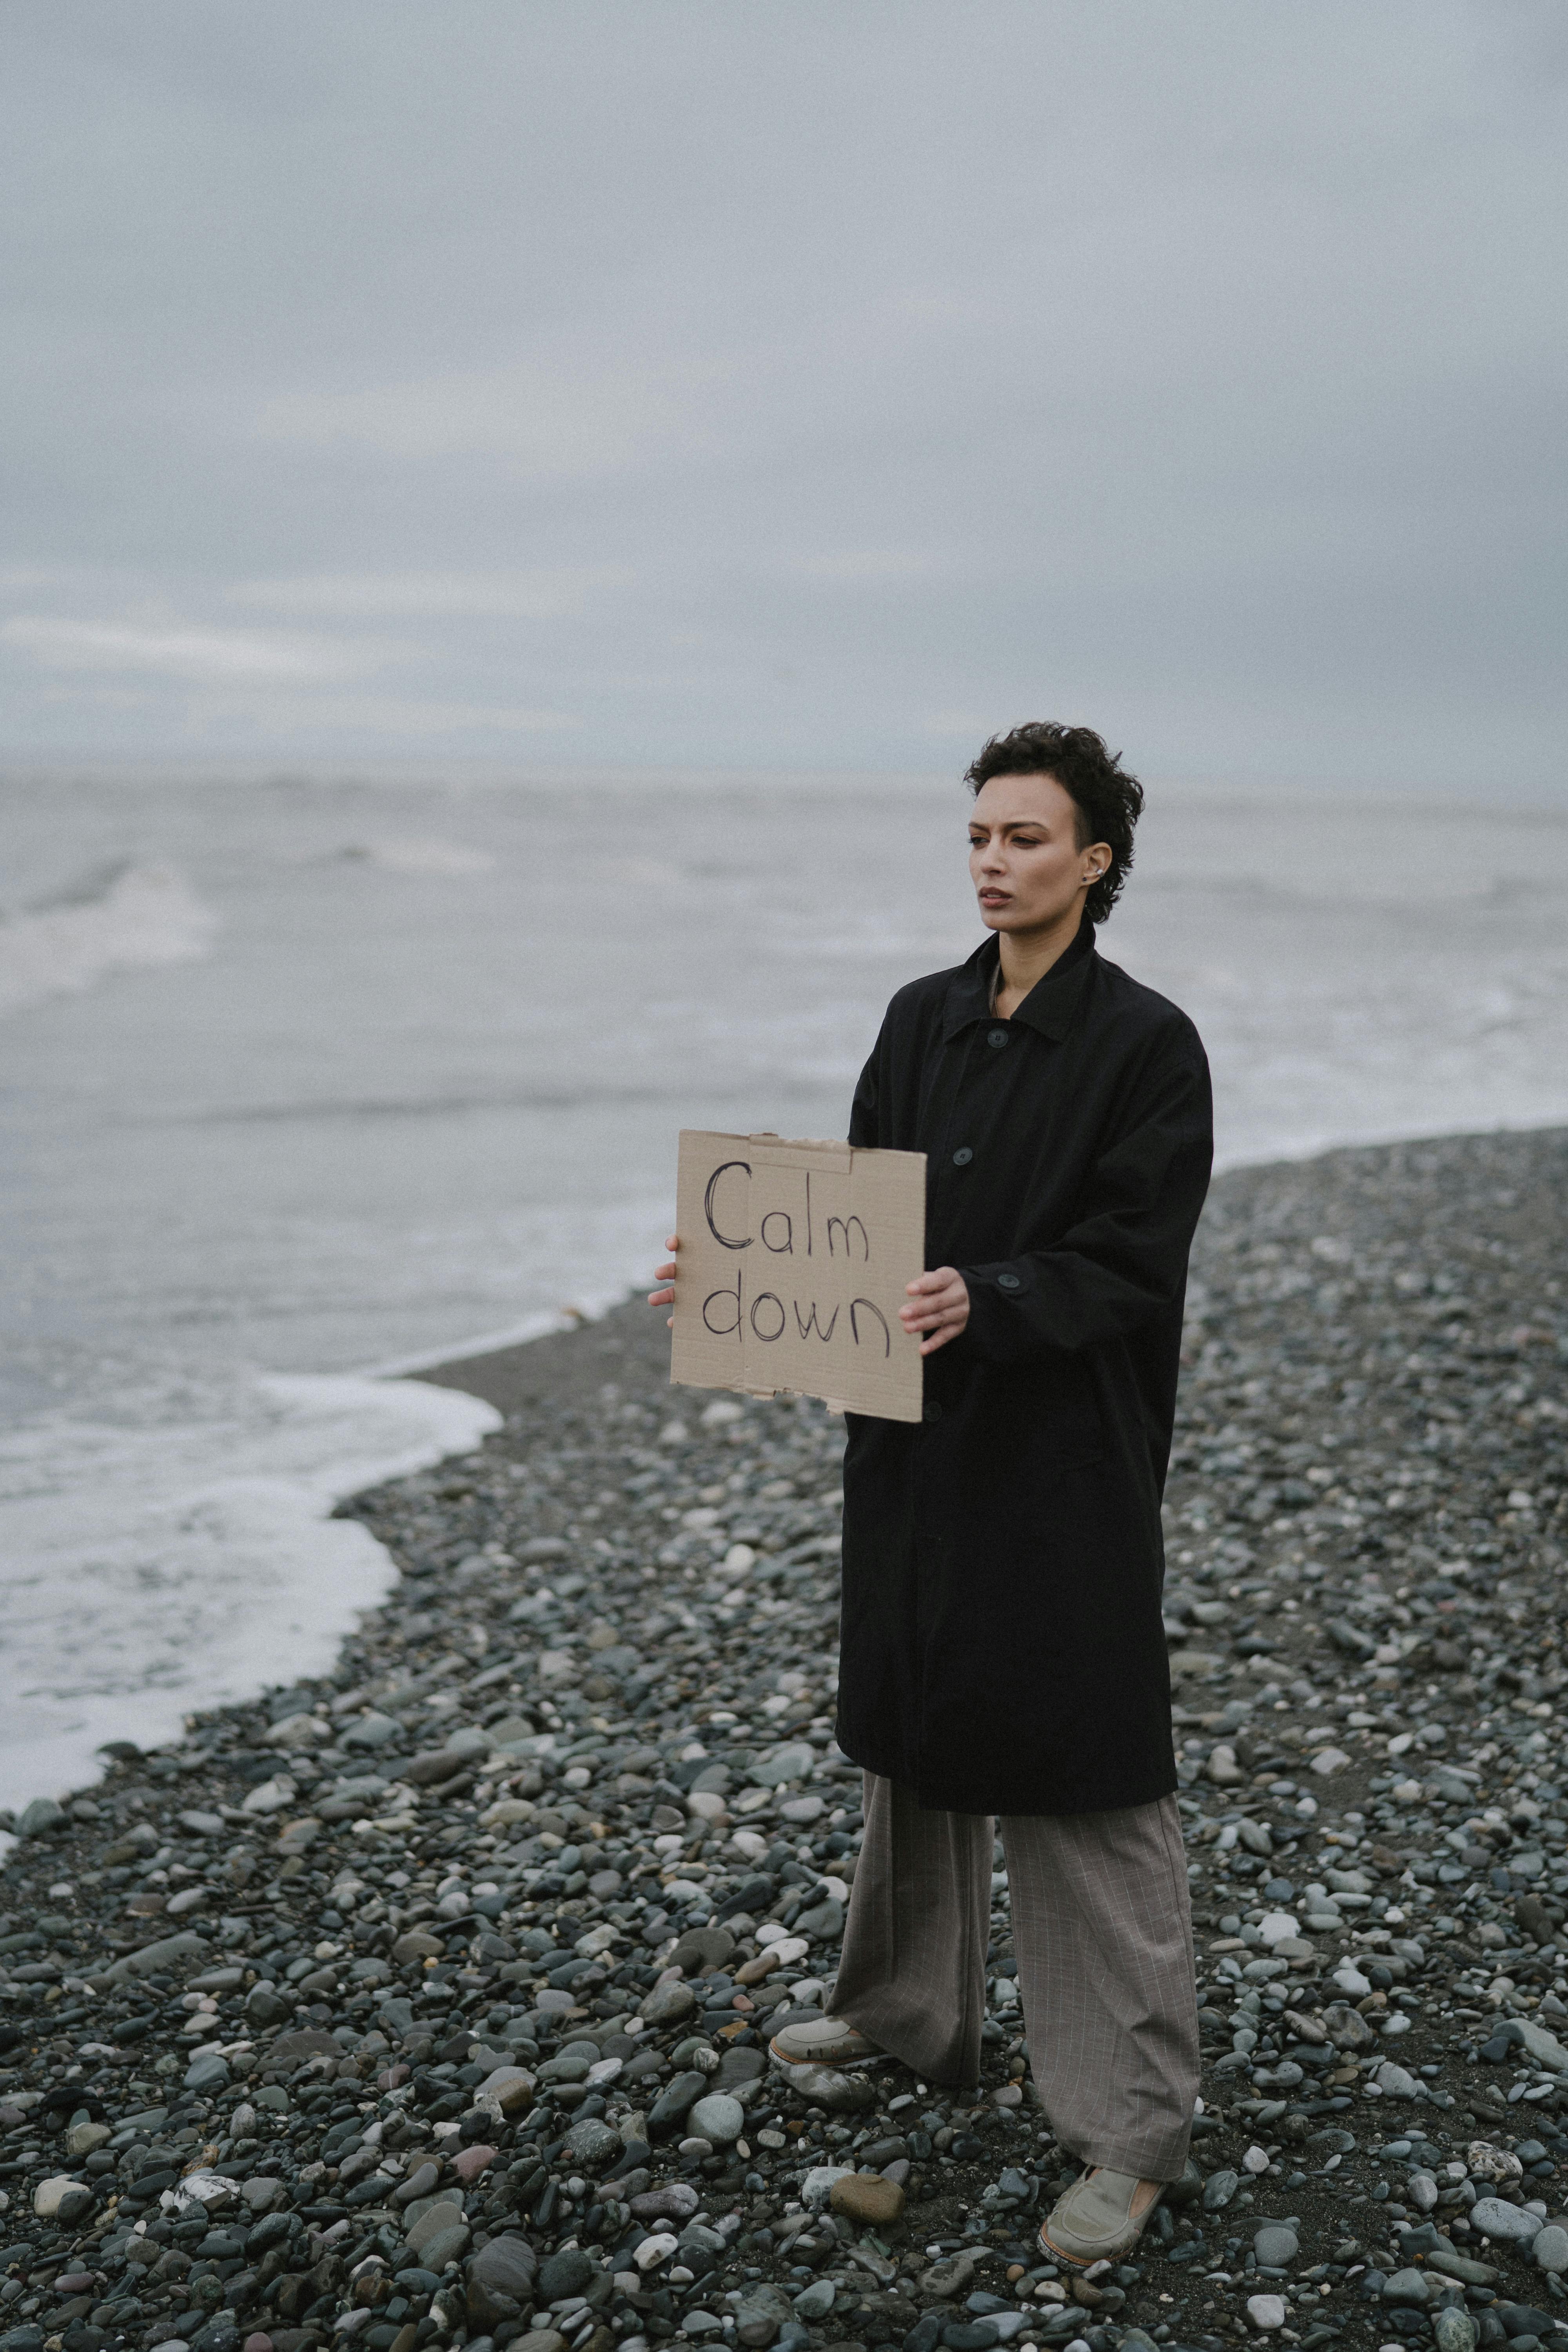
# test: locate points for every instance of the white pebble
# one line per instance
(1255, 2160)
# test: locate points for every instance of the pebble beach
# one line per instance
(427, 2003)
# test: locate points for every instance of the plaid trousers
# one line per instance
(1102, 1933)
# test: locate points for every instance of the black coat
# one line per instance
(1001, 1642)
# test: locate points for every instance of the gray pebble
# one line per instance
(500, 2281)
(371, 1731)
(592, 2143)
(1408, 2286)
(565, 2273)
(426, 2223)
(786, 1763)
(666, 2004)
(717, 2117)
(265, 2006)
(824, 2086)
(423, 2181)
(1494, 2217)
(815, 2301)
(761, 2301)
(36, 1820)
(445, 2245)
(676, 2203)
(816, 2187)
(674, 2103)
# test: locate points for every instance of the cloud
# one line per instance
(382, 716)
(873, 565)
(967, 723)
(543, 594)
(17, 579)
(800, 393)
(99, 697)
(203, 657)
(550, 420)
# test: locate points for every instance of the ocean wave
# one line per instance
(422, 855)
(579, 1098)
(134, 917)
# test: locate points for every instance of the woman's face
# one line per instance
(1025, 859)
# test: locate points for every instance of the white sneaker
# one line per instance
(1096, 2219)
(821, 2041)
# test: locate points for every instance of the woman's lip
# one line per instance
(994, 897)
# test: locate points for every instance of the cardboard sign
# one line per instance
(793, 1261)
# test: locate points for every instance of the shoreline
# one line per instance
(565, 1323)
(302, 1958)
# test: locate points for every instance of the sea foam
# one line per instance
(135, 916)
(154, 1570)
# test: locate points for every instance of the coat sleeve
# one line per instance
(865, 1114)
(1125, 1258)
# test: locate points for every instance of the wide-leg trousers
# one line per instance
(1102, 1934)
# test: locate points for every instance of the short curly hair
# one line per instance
(1110, 800)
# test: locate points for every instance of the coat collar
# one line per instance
(1049, 1006)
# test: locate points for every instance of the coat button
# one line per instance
(1008, 1282)
(962, 1156)
(931, 1412)
(997, 1036)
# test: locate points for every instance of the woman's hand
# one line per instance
(939, 1308)
(666, 1273)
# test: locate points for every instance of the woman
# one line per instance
(1002, 1647)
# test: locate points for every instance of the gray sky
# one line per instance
(772, 382)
